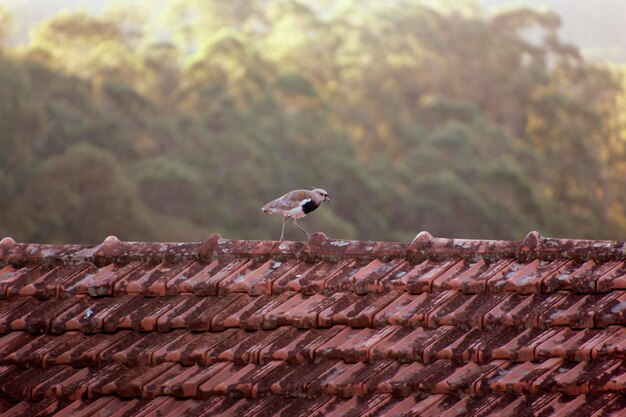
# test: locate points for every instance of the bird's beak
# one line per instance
(327, 199)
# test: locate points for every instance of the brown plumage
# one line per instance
(296, 204)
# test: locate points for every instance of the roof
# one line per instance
(438, 327)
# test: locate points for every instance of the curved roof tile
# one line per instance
(328, 327)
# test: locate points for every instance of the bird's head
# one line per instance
(320, 195)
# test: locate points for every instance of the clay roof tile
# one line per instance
(440, 327)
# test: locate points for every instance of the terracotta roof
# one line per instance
(438, 327)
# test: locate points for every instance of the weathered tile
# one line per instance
(26, 355)
(577, 277)
(471, 405)
(575, 310)
(186, 383)
(299, 310)
(356, 310)
(524, 278)
(351, 345)
(255, 278)
(12, 313)
(39, 319)
(140, 352)
(10, 275)
(522, 311)
(613, 279)
(249, 407)
(176, 284)
(12, 342)
(130, 382)
(296, 382)
(89, 314)
(407, 378)
(587, 405)
(88, 408)
(363, 279)
(523, 347)
(447, 406)
(465, 311)
(413, 406)
(17, 385)
(49, 354)
(47, 284)
(206, 282)
(149, 282)
(483, 350)
(437, 372)
(563, 405)
(101, 282)
(471, 345)
(575, 345)
(613, 313)
(210, 353)
(421, 278)
(311, 277)
(354, 382)
(253, 315)
(162, 384)
(607, 375)
(584, 376)
(386, 348)
(249, 349)
(473, 278)
(363, 334)
(189, 348)
(298, 345)
(614, 408)
(67, 384)
(519, 378)
(416, 344)
(199, 313)
(88, 353)
(141, 316)
(219, 382)
(613, 345)
(43, 408)
(304, 407)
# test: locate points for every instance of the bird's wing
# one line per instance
(288, 201)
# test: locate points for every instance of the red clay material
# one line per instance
(441, 327)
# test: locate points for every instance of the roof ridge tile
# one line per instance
(318, 247)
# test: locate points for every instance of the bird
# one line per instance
(296, 204)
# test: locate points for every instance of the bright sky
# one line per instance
(594, 25)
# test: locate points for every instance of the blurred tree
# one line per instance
(412, 117)
(616, 155)
(5, 25)
(78, 196)
(96, 48)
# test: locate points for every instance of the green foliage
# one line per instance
(413, 118)
(5, 24)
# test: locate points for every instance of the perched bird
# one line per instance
(296, 204)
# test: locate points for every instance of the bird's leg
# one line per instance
(282, 232)
(298, 226)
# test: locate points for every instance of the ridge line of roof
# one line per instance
(318, 247)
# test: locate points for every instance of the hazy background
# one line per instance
(596, 27)
(171, 120)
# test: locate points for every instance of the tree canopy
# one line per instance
(178, 124)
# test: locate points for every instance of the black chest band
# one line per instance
(309, 206)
